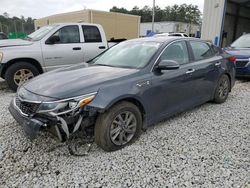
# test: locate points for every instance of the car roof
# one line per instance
(163, 39)
(75, 23)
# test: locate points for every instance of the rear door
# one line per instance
(94, 41)
(67, 51)
(206, 64)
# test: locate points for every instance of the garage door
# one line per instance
(237, 21)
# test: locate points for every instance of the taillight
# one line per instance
(232, 59)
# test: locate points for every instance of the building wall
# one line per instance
(167, 27)
(159, 27)
(188, 28)
(77, 16)
(212, 19)
(116, 25)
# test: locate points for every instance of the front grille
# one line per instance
(241, 64)
(27, 108)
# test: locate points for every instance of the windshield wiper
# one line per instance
(105, 65)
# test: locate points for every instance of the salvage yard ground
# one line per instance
(208, 146)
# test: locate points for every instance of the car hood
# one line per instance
(75, 81)
(14, 42)
(239, 53)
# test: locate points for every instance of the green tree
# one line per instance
(181, 13)
(8, 24)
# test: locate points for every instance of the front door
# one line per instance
(172, 90)
(65, 52)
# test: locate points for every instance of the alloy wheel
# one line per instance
(123, 128)
(22, 76)
(223, 88)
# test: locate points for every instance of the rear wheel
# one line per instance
(222, 90)
(118, 127)
(19, 73)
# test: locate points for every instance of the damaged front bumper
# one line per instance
(60, 125)
(31, 126)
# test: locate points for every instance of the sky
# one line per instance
(42, 8)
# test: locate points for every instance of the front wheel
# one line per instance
(118, 127)
(222, 90)
(19, 73)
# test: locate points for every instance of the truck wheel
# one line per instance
(222, 90)
(19, 73)
(118, 127)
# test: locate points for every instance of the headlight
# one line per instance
(67, 105)
(1, 57)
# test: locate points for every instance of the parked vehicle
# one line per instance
(241, 50)
(50, 47)
(3, 36)
(171, 35)
(127, 88)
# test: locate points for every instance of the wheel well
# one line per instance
(230, 80)
(135, 102)
(28, 60)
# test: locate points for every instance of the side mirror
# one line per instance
(53, 39)
(168, 65)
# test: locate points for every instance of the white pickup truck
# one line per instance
(48, 48)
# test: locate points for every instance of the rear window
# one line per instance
(201, 50)
(91, 34)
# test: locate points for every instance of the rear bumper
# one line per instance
(30, 126)
(243, 73)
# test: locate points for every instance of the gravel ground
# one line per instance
(208, 146)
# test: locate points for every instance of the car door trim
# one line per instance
(190, 71)
(217, 64)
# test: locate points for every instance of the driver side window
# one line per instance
(177, 52)
(68, 34)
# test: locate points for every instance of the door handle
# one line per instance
(217, 64)
(77, 48)
(102, 47)
(190, 71)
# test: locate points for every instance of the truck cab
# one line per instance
(48, 48)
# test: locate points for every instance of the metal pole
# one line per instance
(153, 16)
(22, 26)
(7, 28)
(1, 26)
(15, 29)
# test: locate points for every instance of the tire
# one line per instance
(29, 71)
(106, 123)
(222, 90)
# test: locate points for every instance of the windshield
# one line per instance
(242, 42)
(128, 54)
(40, 33)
